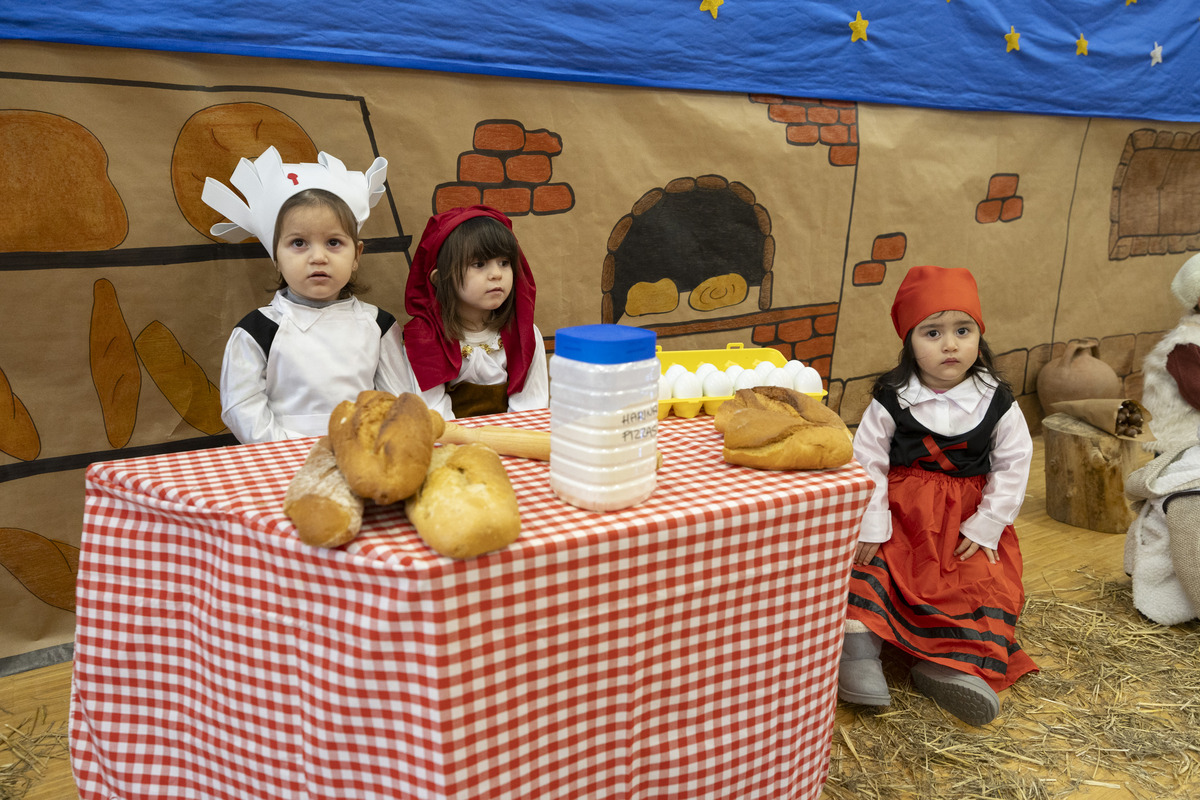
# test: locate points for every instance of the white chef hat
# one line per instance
(1186, 285)
(267, 183)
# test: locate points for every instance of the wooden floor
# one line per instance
(1051, 550)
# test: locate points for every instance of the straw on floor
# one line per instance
(1116, 704)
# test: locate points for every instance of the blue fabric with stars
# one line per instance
(927, 54)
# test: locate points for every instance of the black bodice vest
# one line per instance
(914, 445)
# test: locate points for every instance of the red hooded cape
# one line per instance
(434, 358)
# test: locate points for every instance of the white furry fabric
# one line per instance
(1186, 284)
(1157, 591)
(1173, 422)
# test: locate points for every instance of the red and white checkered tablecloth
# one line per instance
(683, 648)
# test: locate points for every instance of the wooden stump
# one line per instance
(1085, 474)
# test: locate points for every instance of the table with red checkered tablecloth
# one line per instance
(683, 648)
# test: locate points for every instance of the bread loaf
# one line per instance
(44, 154)
(326, 512)
(383, 443)
(466, 506)
(770, 427)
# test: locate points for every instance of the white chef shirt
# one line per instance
(320, 356)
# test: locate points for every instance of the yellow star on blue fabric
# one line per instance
(1081, 46)
(1013, 38)
(859, 28)
(711, 6)
(1130, 2)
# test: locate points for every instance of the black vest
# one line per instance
(914, 445)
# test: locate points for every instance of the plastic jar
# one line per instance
(603, 416)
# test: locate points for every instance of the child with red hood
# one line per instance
(471, 347)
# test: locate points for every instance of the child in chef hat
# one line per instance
(288, 364)
(937, 570)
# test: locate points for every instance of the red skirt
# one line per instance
(918, 596)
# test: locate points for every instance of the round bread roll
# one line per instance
(773, 427)
(466, 507)
(319, 501)
(215, 139)
(383, 443)
(718, 292)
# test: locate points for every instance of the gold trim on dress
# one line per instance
(495, 347)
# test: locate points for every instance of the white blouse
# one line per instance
(949, 413)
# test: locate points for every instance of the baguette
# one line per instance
(18, 435)
(319, 501)
(114, 362)
(181, 380)
(770, 427)
(383, 443)
(466, 505)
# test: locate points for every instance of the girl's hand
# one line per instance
(865, 551)
(966, 548)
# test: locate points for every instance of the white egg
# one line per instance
(792, 367)
(808, 380)
(778, 377)
(674, 371)
(687, 386)
(763, 368)
(704, 369)
(733, 370)
(665, 386)
(748, 379)
(717, 384)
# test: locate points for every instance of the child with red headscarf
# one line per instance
(937, 569)
(471, 347)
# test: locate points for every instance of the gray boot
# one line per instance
(967, 697)
(860, 674)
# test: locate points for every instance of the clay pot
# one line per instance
(1078, 374)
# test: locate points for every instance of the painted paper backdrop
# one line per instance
(700, 174)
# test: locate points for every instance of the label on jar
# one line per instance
(640, 433)
(636, 415)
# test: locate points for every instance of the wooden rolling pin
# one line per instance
(506, 441)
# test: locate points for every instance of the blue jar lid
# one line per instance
(605, 344)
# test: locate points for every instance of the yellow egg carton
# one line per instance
(734, 353)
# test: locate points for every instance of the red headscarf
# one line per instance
(434, 358)
(928, 290)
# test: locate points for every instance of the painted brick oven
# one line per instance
(706, 243)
